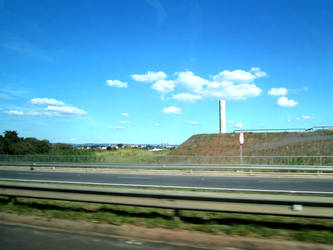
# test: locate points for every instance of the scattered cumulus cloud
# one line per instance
(164, 86)
(46, 101)
(239, 76)
(285, 102)
(171, 110)
(125, 114)
(189, 87)
(258, 72)
(307, 117)
(186, 97)
(190, 82)
(117, 83)
(65, 110)
(14, 112)
(54, 108)
(230, 91)
(149, 77)
(301, 118)
(34, 113)
(278, 91)
(299, 89)
(235, 124)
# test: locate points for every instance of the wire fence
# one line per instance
(173, 159)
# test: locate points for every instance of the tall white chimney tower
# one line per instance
(223, 127)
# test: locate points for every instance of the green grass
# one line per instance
(287, 228)
(119, 156)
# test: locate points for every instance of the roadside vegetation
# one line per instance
(262, 226)
(288, 148)
(294, 148)
(15, 148)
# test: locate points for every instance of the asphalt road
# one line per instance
(256, 183)
(30, 238)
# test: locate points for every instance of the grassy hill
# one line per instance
(318, 143)
(285, 144)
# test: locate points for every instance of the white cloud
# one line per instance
(46, 101)
(171, 110)
(125, 122)
(125, 114)
(163, 86)
(307, 117)
(186, 97)
(235, 124)
(285, 102)
(157, 124)
(116, 127)
(189, 81)
(193, 123)
(239, 76)
(150, 76)
(64, 110)
(14, 112)
(230, 91)
(116, 83)
(34, 113)
(301, 118)
(299, 89)
(229, 85)
(278, 91)
(257, 72)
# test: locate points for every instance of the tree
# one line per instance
(11, 143)
(21, 148)
(1, 145)
(44, 146)
(10, 138)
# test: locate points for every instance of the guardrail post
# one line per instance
(177, 214)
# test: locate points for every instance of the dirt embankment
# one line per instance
(284, 144)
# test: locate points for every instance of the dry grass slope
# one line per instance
(264, 144)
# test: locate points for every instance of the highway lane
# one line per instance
(224, 182)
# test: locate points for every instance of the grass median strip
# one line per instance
(288, 228)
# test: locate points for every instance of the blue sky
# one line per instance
(153, 71)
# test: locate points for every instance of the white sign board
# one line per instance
(241, 138)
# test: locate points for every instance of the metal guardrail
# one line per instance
(174, 159)
(316, 207)
(174, 166)
(283, 129)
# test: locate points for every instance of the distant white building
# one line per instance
(156, 149)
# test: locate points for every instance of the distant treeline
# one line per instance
(12, 144)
